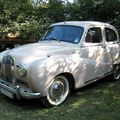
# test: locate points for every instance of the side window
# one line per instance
(110, 35)
(94, 35)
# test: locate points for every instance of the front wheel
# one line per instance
(116, 72)
(57, 92)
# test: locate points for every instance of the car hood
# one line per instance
(42, 50)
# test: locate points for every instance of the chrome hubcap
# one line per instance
(58, 91)
(117, 72)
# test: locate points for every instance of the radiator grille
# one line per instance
(8, 67)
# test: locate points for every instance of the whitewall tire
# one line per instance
(57, 92)
(116, 72)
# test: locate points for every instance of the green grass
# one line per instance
(97, 101)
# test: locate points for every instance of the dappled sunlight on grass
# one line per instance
(116, 98)
(106, 91)
(98, 101)
(79, 103)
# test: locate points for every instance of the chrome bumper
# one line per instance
(12, 90)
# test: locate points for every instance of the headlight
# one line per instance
(21, 70)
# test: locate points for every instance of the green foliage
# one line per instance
(31, 17)
(22, 16)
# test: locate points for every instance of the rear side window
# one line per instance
(94, 35)
(110, 35)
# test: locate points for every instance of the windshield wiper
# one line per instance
(51, 38)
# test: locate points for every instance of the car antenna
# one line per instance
(67, 16)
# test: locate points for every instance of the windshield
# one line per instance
(64, 33)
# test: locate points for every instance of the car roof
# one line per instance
(81, 23)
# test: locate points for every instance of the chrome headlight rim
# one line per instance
(21, 70)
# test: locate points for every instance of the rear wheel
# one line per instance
(116, 72)
(57, 92)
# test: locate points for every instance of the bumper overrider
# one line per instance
(11, 90)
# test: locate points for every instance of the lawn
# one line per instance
(97, 101)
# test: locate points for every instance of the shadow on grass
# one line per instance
(36, 103)
(97, 101)
(95, 85)
(25, 103)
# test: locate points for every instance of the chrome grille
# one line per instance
(8, 66)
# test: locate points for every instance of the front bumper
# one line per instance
(12, 90)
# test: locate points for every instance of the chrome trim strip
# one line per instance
(19, 91)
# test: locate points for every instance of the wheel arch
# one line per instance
(70, 78)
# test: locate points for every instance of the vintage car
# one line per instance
(69, 56)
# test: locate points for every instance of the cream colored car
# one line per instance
(70, 55)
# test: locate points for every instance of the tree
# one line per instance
(31, 17)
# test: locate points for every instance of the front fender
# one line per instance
(42, 72)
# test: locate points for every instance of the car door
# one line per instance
(96, 54)
(113, 44)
